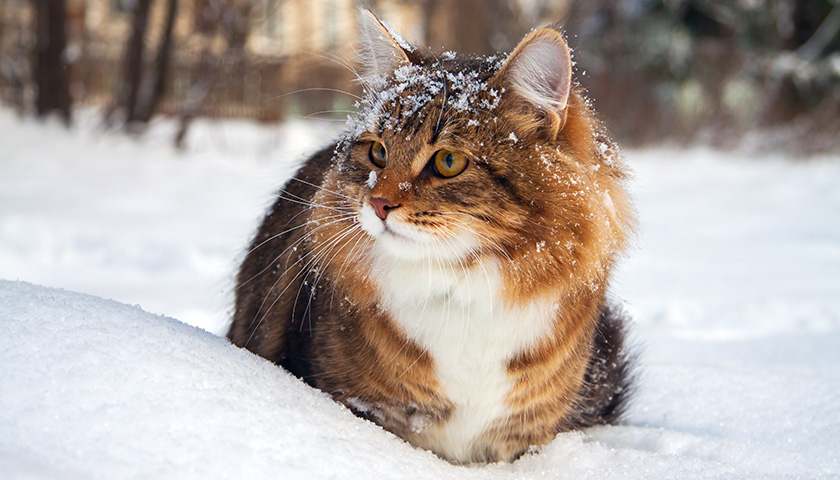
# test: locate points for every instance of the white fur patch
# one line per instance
(455, 314)
(402, 241)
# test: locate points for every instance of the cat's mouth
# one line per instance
(390, 228)
(407, 242)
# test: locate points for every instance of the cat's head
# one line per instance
(453, 158)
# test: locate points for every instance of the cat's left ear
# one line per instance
(539, 71)
(381, 50)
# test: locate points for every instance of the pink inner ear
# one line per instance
(542, 74)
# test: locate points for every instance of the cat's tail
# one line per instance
(609, 380)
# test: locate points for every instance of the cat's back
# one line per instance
(276, 257)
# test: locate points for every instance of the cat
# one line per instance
(441, 269)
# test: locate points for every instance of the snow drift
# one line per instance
(97, 389)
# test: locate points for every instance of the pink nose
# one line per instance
(382, 206)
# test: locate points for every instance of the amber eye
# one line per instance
(377, 154)
(448, 163)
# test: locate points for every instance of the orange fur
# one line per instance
(543, 195)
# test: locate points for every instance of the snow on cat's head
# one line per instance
(455, 158)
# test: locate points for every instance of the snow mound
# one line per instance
(97, 389)
(105, 390)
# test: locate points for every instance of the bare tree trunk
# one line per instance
(822, 37)
(16, 68)
(154, 86)
(2, 24)
(199, 92)
(133, 68)
(207, 72)
(236, 28)
(50, 65)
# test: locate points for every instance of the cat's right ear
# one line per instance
(381, 50)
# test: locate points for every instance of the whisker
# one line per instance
(480, 265)
(305, 270)
(294, 245)
(337, 218)
(338, 61)
(319, 187)
(350, 233)
(313, 114)
(344, 264)
(494, 246)
(314, 89)
(324, 265)
(310, 204)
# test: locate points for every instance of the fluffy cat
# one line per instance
(442, 268)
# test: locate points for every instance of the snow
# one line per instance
(735, 287)
(135, 220)
(414, 86)
(105, 390)
(371, 181)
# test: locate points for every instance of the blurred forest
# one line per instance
(760, 74)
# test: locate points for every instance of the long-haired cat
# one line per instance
(442, 268)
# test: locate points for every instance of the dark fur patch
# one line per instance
(609, 380)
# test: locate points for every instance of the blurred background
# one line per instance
(760, 74)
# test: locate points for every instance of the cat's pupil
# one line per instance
(449, 160)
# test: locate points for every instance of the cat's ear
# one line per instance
(539, 71)
(381, 50)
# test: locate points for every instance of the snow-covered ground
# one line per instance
(735, 287)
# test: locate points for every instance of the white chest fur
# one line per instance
(455, 314)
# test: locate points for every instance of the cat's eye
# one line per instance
(378, 155)
(449, 163)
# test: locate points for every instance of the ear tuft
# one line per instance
(381, 50)
(540, 70)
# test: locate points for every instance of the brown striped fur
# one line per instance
(550, 209)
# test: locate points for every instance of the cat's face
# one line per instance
(425, 164)
(453, 158)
